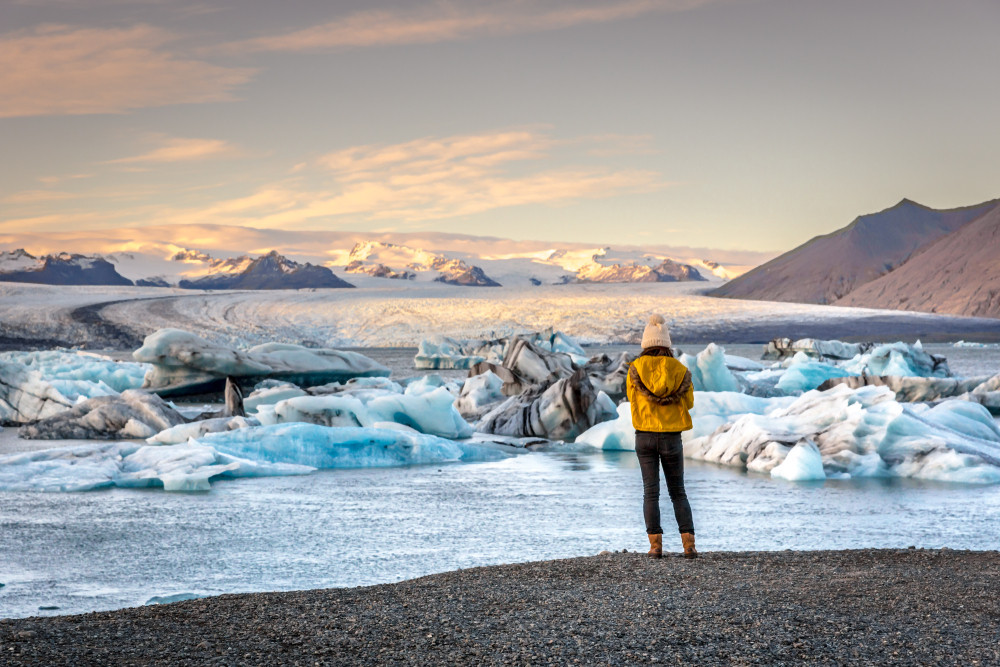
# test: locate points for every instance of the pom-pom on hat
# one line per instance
(656, 333)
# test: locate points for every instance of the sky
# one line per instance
(746, 125)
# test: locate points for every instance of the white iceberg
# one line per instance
(802, 463)
(184, 432)
(861, 432)
(174, 467)
(616, 434)
(432, 412)
(709, 371)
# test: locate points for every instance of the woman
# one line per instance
(660, 392)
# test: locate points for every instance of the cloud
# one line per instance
(183, 150)
(428, 179)
(60, 70)
(443, 22)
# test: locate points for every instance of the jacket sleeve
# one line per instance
(689, 398)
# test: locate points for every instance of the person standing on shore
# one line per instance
(661, 394)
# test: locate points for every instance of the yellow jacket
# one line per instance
(660, 392)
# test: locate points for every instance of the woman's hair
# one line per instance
(657, 352)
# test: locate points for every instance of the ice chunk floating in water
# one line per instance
(347, 447)
(183, 363)
(187, 467)
(283, 449)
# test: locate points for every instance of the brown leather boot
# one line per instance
(687, 539)
(655, 546)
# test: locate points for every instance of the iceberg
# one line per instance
(78, 370)
(346, 447)
(608, 375)
(805, 374)
(862, 432)
(899, 359)
(480, 394)
(982, 390)
(616, 434)
(187, 467)
(131, 414)
(183, 363)
(442, 352)
(428, 383)
(780, 348)
(432, 412)
(709, 371)
(184, 432)
(536, 365)
(25, 396)
(802, 463)
(561, 411)
(270, 392)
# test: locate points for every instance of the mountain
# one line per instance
(19, 266)
(390, 260)
(667, 271)
(828, 267)
(958, 274)
(270, 271)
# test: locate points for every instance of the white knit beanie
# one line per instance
(656, 334)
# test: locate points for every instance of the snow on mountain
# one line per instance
(270, 271)
(831, 266)
(958, 274)
(20, 266)
(389, 260)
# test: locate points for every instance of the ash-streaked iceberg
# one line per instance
(183, 363)
(561, 411)
(184, 432)
(131, 414)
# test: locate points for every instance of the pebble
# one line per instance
(893, 606)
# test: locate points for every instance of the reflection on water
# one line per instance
(113, 548)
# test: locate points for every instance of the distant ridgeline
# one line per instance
(270, 271)
(908, 257)
(19, 266)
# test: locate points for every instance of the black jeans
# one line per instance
(654, 450)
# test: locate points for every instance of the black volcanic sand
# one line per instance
(901, 607)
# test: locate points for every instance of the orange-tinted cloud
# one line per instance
(176, 149)
(59, 70)
(443, 22)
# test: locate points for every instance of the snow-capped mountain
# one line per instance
(270, 271)
(20, 266)
(389, 260)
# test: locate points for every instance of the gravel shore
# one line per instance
(864, 607)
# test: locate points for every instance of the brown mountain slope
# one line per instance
(827, 267)
(959, 274)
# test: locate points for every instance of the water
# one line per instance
(114, 548)
(109, 549)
